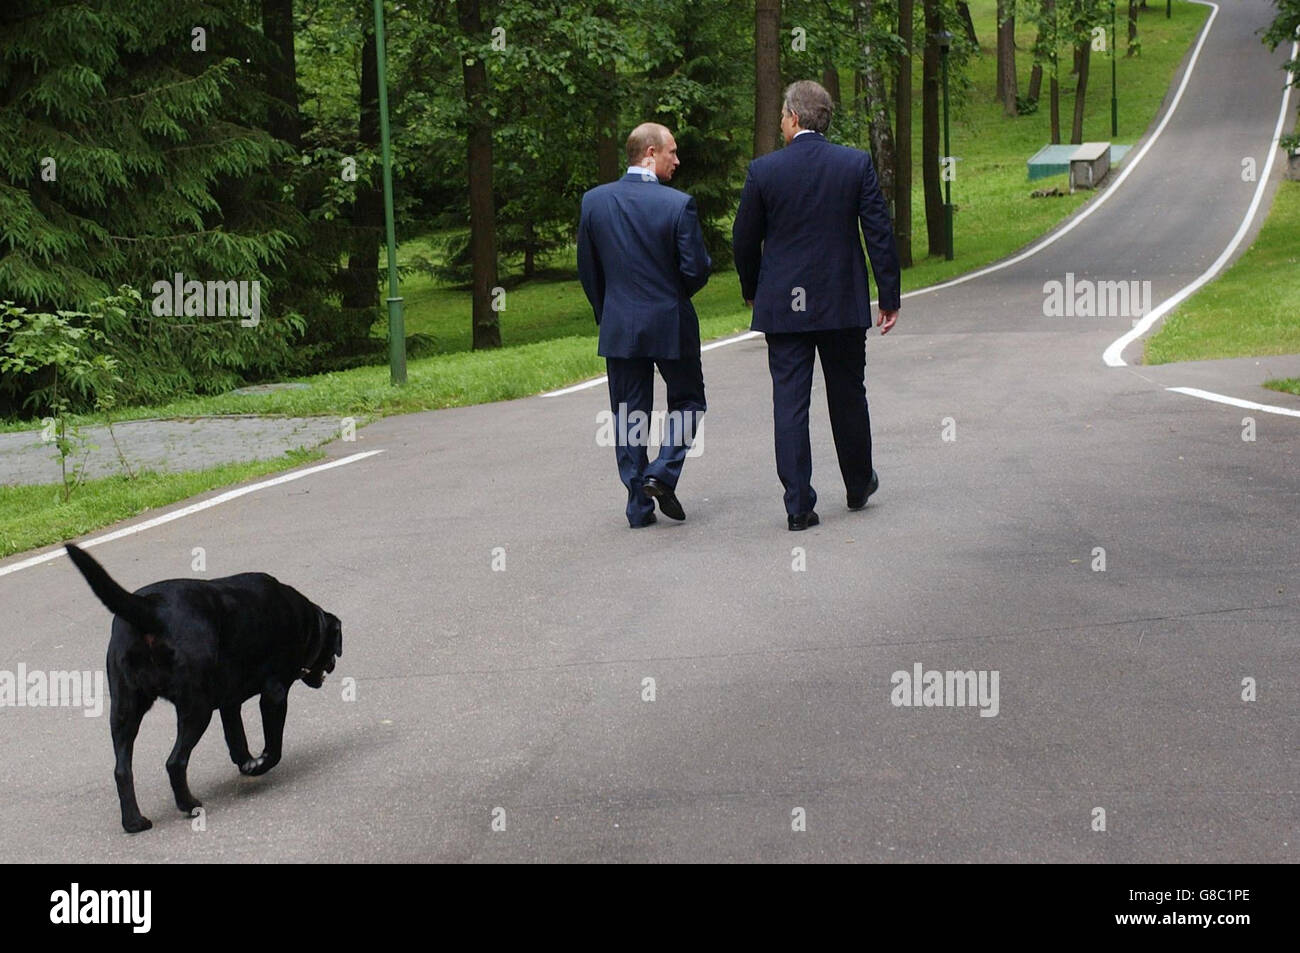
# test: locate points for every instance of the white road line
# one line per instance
(187, 511)
(595, 382)
(1234, 401)
(747, 336)
(1113, 355)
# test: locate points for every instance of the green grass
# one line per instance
(1250, 310)
(32, 516)
(1289, 385)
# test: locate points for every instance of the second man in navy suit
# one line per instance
(801, 269)
(641, 256)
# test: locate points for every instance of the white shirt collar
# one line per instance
(647, 174)
(799, 133)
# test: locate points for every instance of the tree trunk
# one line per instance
(831, 81)
(1049, 6)
(482, 215)
(282, 72)
(767, 75)
(876, 103)
(968, 25)
(1001, 78)
(1132, 28)
(1056, 110)
(1007, 85)
(930, 64)
(361, 280)
(1035, 82)
(609, 165)
(903, 138)
(1083, 52)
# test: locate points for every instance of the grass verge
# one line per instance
(1250, 310)
(33, 516)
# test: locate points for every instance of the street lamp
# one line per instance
(1114, 96)
(945, 43)
(396, 327)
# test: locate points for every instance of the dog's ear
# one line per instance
(337, 628)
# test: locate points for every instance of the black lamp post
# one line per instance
(1114, 95)
(396, 323)
(945, 43)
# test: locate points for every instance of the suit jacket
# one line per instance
(641, 256)
(796, 238)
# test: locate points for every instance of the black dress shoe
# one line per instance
(857, 502)
(803, 520)
(668, 504)
(649, 521)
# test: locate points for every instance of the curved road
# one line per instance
(523, 689)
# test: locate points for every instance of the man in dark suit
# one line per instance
(801, 269)
(641, 256)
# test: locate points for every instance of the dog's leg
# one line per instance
(190, 725)
(124, 719)
(275, 705)
(233, 725)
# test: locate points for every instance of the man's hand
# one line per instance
(886, 320)
(749, 303)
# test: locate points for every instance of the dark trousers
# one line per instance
(790, 360)
(632, 389)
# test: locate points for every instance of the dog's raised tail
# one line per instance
(134, 609)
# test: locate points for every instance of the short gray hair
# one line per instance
(811, 103)
(642, 138)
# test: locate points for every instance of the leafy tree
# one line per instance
(131, 149)
(1284, 29)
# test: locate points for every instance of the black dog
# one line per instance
(207, 646)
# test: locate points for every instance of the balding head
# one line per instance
(650, 140)
(644, 136)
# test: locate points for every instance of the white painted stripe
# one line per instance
(595, 382)
(576, 387)
(1234, 401)
(747, 336)
(188, 510)
(1113, 355)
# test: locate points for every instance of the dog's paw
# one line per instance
(190, 806)
(259, 765)
(136, 825)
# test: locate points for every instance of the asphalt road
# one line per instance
(523, 689)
